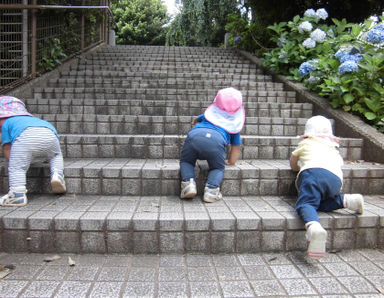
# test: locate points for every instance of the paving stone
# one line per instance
(74, 289)
(106, 289)
(268, 288)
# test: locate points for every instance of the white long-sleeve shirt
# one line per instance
(315, 152)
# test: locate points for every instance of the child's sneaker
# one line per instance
(212, 194)
(14, 198)
(188, 189)
(317, 238)
(58, 183)
(354, 202)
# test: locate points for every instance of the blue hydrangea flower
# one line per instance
(331, 33)
(379, 27)
(340, 53)
(355, 58)
(318, 35)
(321, 13)
(310, 13)
(283, 55)
(312, 80)
(237, 39)
(348, 66)
(374, 19)
(281, 42)
(305, 27)
(309, 43)
(307, 67)
(376, 35)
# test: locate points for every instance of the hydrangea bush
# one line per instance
(342, 62)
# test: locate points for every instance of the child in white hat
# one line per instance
(25, 139)
(213, 131)
(319, 181)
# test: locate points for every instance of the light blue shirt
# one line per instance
(14, 126)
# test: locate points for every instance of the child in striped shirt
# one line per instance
(26, 139)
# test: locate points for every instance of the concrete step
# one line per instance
(139, 74)
(165, 59)
(179, 125)
(166, 224)
(159, 94)
(93, 106)
(146, 63)
(173, 51)
(169, 146)
(124, 74)
(150, 83)
(122, 176)
(167, 68)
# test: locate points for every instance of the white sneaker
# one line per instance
(188, 189)
(212, 194)
(58, 183)
(15, 198)
(317, 238)
(354, 202)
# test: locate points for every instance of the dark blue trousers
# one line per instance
(319, 190)
(204, 144)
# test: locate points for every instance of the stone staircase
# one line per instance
(123, 113)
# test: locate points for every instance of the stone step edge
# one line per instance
(152, 146)
(126, 176)
(87, 224)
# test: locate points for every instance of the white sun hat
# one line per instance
(320, 127)
(227, 110)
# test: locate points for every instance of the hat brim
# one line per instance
(12, 106)
(232, 123)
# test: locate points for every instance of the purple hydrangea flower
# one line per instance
(348, 66)
(309, 43)
(237, 39)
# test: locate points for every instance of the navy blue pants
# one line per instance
(204, 144)
(319, 190)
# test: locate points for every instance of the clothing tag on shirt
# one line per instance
(208, 135)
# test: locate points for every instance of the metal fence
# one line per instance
(38, 35)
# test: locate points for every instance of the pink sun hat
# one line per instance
(227, 110)
(11, 106)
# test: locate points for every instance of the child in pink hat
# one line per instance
(319, 181)
(25, 139)
(213, 131)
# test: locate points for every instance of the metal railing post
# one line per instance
(82, 46)
(33, 41)
(25, 40)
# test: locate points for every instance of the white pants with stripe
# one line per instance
(34, 144)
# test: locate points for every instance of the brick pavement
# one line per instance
(357, 273)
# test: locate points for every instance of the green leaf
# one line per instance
(347, 108)
(348, 98)
(369, 115)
